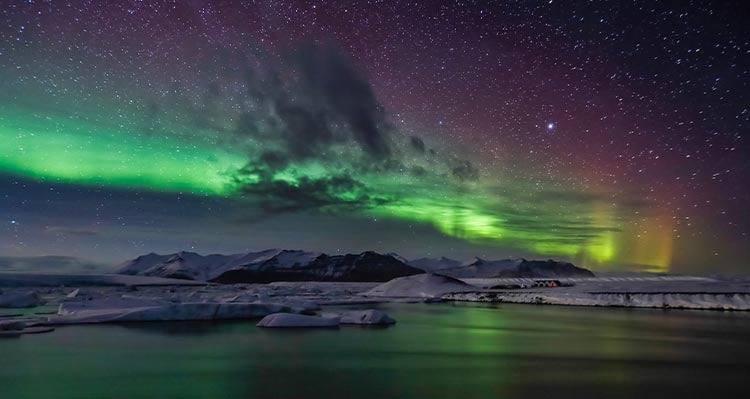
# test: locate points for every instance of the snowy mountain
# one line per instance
(516, 268)
(182, 265)
(481, 268)
(270, 265)
(295, 265)
(435, 264)
(549, 268)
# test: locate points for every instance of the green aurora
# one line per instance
(66, 149)
(76, 150)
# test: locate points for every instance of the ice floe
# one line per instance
(284, 320)
(362, 317)
(148, 309)
(14, 328)
(20, 299)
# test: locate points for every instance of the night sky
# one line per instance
(612, 134)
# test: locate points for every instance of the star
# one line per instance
(550, 125)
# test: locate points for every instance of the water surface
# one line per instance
(435, 350)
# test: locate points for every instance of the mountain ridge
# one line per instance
(502, 268)
(270, 265)
(278, 264)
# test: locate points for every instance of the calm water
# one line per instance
(436, 350)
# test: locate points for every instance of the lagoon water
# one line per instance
(435, 351)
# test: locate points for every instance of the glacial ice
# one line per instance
(20, 299)
(284, 320)
(363, 317)
(136, 309)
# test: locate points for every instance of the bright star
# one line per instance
(550, 126)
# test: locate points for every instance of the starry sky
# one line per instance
(611, 134)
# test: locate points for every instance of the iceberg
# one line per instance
(284, 320)
(137, 309)
(363, 317)
(20, 299)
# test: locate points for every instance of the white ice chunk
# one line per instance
(12, 325)
(365, 317)
(22, 299)
(297, 320)
(135, 309)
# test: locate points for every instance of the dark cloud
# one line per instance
(307, 131)
(333, 81)
(274, 160)
(466, 171)
(416, 144)
(317, 99)
(248, 125)
(332, 193)
(315, 106)
(340, 192)
(418, 171)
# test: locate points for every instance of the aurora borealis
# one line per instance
(614, 136)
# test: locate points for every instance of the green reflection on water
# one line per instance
(437, 350)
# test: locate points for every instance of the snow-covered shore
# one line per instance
(654, 291)
(702, 301)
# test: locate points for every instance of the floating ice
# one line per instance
(283, 320)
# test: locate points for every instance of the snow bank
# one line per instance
(22, 299)
(283, 320)
(426, 285)
(708, 301)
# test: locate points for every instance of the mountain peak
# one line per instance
(477, 261)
